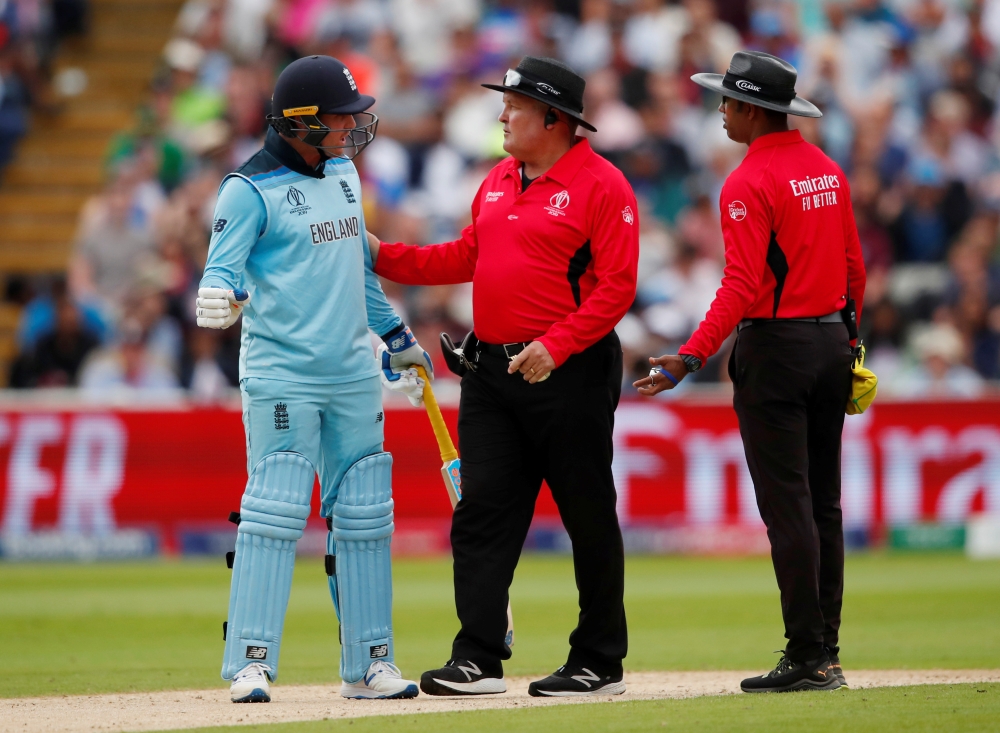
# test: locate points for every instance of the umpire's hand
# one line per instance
(658, 381)
(535, 363)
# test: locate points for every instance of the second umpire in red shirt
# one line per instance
(793, 270)
(552, 252)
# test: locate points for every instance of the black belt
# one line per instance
(506, 351)
(834, 317)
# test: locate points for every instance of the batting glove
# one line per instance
(220, 308)
(404, 351)
(403, 380)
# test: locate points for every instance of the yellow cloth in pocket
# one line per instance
(864, 385)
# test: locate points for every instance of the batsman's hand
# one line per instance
(404, 380)
(404, 351)
(219, 308)
(535, 363)
(657, 381)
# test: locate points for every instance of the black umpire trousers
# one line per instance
(512, 435)
(791, 384)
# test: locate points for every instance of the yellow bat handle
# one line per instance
(446, 446)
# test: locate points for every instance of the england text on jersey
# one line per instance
(334, 230)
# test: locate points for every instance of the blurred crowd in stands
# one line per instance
(908, 89)
(29, 34)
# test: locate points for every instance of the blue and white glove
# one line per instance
(218, 307)
(398, 358)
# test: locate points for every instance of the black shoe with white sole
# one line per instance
(572, 681)
(790, 676)
(462, 677)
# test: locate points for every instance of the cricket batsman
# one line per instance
(288, 250)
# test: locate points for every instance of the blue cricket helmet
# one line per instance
(318, 85)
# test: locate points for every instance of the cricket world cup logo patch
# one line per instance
(738, 210)
(297, 200)
(557, 203)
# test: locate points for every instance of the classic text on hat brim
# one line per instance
(798, 106)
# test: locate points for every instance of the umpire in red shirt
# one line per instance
(793, 271)
(551, 252)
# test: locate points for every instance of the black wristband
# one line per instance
(393, 332)
(691, 363)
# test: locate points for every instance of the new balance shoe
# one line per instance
(382, 681)
(790, 676)
(250, 684)
(462, 677)
(838, 670)
(574, 681)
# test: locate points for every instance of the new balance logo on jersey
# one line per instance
(380, 651)
(335, 230)
(348, 193)
(256, 652)
(219, 225)
(281, 416)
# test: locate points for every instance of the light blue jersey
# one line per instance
(297, 243)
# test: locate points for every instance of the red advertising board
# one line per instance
(94, 471)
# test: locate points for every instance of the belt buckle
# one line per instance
(510, 357)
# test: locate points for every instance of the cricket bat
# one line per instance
(451, 466)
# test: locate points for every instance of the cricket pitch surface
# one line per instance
(150, 711)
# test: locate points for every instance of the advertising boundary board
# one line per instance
(90, 483)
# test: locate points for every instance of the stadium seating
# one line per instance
(60, 161)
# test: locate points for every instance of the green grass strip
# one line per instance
(129, 627)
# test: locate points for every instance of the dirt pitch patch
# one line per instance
(149, 711)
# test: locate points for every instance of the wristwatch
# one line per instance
(692, 363)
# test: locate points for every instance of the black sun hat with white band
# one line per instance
(549, 81)
(760, 79)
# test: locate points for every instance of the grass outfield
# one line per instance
(68, 629)
(933, 708)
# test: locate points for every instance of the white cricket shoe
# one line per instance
(382, 681)
(250, 684)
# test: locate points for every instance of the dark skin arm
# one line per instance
(744, 123)
(672, 363)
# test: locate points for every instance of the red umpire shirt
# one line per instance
(791, 242)
(556, 263)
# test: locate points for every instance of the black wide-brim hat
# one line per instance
(760, 79)
(549, 81)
